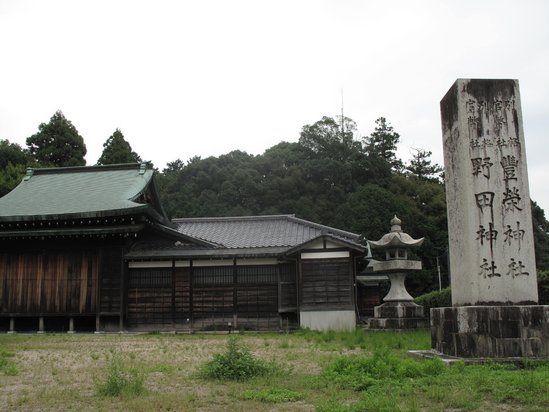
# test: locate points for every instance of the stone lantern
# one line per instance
(399, 311)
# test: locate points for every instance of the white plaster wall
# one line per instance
(325, 255)
(328, 320)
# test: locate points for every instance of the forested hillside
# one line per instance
(330, 176)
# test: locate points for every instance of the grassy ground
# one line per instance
(360, 371)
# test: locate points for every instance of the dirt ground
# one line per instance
(61, 372)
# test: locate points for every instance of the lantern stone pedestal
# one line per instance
(399, 311)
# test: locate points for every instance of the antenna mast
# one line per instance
(342, 118)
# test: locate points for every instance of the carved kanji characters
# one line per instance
(514, 234)
(481, 165)
(516, 269)
(484, 200)
(488, 269)
(509, 164)
(489, 235)
(511, 199)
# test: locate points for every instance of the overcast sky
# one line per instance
(186, 78)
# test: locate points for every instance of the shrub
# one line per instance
(435, 299)
(121, 382)
(235, 364)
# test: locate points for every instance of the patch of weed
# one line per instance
(236, 364)
(7, 366)
(272, 395)
(360, 372)
(284, 344)
(120, 381)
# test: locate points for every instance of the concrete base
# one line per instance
(398, 315)
(491, 331)
(452, 360)
(328, 320)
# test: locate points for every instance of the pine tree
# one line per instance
(421, 166)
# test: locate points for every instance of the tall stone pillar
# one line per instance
(492, 262)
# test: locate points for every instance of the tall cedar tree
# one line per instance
(57, 143)
(382, 143)
(117, 150)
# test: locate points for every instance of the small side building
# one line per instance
(90, 248)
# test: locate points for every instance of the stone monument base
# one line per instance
(398, 315)
(491, 331)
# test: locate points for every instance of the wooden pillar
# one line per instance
(191, 315)
(123, 272)
(71, 325)
(12, 325)
(98, 292)
(235, 301)
(41, 324)
(174, 325)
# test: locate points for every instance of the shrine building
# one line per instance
(91, 249)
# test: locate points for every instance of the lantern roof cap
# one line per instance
(396, 238)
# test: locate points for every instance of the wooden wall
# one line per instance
(48, 283)
(326, 284)
(111, 272)
(207, 297)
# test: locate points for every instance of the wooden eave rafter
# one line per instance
(74, 232)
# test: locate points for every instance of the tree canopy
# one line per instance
(57, 143)
(117, 150)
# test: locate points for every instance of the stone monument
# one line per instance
(494, 309)
(399, 311)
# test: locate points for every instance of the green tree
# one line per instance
(541, 237)
(327, 137)
(421, 166)
(13, 162)
(12, 153)
(336, 157)
(57, 143)
(117, 150)
(382, 144)
(10, 177)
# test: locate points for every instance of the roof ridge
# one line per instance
(93, 168)
(323, 227)
(229, 218)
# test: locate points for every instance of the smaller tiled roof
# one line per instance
(259, 231)
(80, 192)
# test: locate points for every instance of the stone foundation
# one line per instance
(491, 331)
(398, 315)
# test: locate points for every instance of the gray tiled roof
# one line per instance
(80, 191)
(258, 231)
